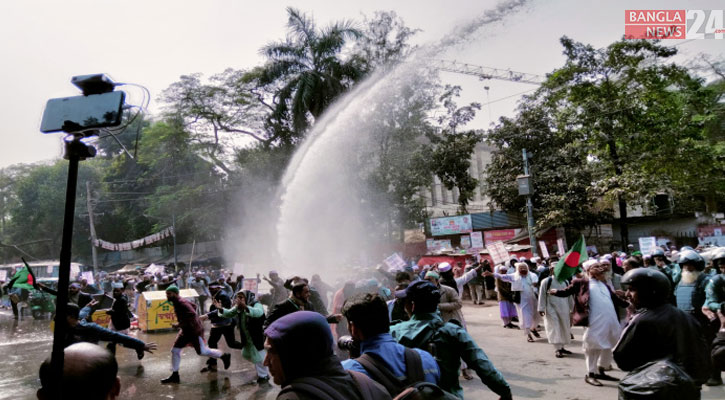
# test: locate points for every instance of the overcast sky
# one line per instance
(153, 42)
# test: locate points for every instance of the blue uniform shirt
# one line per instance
(393, 355)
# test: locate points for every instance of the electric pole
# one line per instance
(89, 204)
(525, 189)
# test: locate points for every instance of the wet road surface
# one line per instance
(24, 344)
(530, 368)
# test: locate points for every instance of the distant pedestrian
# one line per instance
(506, 307)
(557, 314)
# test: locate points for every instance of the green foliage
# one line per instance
(307, 68)
(617, 123)
(34, 220)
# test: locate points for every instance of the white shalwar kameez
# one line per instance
(557, 320)
(603, 331)
(527, 307)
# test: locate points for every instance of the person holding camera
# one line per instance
(369, 326)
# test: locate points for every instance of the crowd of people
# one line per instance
(404, 330)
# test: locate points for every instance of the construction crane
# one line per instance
(487, 72)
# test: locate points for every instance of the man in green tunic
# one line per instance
(446, 341)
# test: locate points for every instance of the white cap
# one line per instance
(444, 266)
(588, 263)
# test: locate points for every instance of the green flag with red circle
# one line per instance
(572, 261)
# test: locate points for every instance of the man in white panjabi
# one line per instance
(523, 281)
(556, 312)
(594, 309)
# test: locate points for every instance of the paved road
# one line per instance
(530, 368)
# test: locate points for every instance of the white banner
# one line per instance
(134, 244)
(498, 252)
(477, 240)
(49, 269)
(88, 276)
(544, 250)
(647, 245)
(561, 247)
(3, 275)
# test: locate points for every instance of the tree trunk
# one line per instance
(623, 227)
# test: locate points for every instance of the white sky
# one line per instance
(152, 42)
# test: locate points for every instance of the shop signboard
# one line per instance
(499, 235)
(435, 245)
(451, 225)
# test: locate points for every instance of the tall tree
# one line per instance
(308, 68)
(637, 119)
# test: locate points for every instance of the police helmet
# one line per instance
(658, 252)
(692, 257)
(719, 255)
(652, 286)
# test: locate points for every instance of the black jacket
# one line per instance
(718, 352)
(664, 332)
(214, 317)
(288, 307)
(119, 313)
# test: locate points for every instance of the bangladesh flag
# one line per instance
(572, 260)
(24, 278)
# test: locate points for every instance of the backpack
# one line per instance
(322, 391)
(412, 387)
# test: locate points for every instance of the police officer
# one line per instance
(659, 330)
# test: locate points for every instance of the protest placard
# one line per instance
(647, 245)
(251, 284)
(395, 261)
(88, 276)
(498, 252)
(544, 250)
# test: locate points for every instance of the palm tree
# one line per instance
(308, 69)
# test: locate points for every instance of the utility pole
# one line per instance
(89, 204)
(525, 189)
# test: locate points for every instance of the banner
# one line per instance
(3, 275)
(49, 269)
(135, 244)
(560, 246)
(477, 240)
(647, 245)
(435, 245)
(451, 225)
(465, 241)
(544, 250)
(498, 253)
(395, 262)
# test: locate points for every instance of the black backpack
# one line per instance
(412, 387)
(320, 390)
